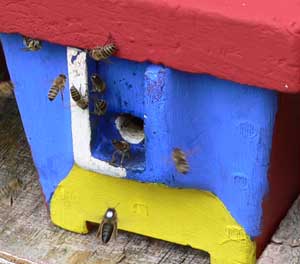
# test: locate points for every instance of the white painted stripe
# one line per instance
(81, 129)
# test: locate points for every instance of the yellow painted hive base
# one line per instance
(183, 216)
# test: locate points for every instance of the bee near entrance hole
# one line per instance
(118, 139)
(131, 128)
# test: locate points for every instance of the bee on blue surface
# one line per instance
(180, 161)
(97, 83)
(108, 226)
(57, 86)
(81, 101)
(31, 44)
(123, 148)
(100, 107)
(105, 51)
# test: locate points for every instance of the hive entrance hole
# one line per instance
(131, 128)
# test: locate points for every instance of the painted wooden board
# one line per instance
(153, 93)
(284, 170)
(185, 111)
(178, 109)
(81, 127)
(187, 217)
(27, 235)
(47, 124)
(248, 42)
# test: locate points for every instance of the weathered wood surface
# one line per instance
(285, 244)
(26, 234)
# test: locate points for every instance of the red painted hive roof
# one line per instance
(254, 42)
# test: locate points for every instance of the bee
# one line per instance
(123, 148)
(108, 225)
(10, 190)
(131, 123)
(97, 83)
(58, 85)
(180, 161)
(105, 51)
(32, 44)
(100, 107)
(6, 88)
(81, 101)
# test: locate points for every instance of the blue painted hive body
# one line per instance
(224, 128)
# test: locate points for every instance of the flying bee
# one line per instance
(100, 107)
(6, 88)
(57, 86)
(108, 225)
(10, 190)
(81, 101)
(180, 161)
(97, 83)
(32, 44)
(105, 51)
(122, 148)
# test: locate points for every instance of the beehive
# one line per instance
(241, 141)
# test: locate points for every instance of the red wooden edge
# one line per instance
(253, 42)
(284, 171)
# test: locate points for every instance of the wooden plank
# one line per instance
(51, 148)
(27, 233)
(285, 243)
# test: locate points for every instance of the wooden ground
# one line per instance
(285, 244)
(27, 236)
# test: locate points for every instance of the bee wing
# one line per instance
(109, 39)
(25, 49)
(69, 105)
(115, 232)
(167, 160)
(99, 232)
(192, 151)
(62, 94)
